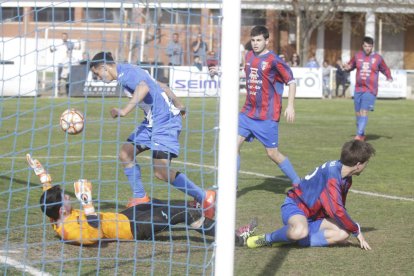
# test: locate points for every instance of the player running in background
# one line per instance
(314, 211)
(138, 222)
(159, 131)
(259, 118)
(368, 65)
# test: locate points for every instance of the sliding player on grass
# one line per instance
(139, 222)
(314, 211)
(159, 131)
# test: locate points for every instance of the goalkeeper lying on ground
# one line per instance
(138, 222)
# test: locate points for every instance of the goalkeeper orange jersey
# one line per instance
(76, 228)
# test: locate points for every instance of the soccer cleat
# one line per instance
(137, 200)
(360, 137)
(209, 202)
(245, 231)
(257, 241)
(260, 241)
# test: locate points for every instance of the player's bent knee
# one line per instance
(298, 232)
(161, 173)
(342, 235)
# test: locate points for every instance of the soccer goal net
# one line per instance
(46, 49)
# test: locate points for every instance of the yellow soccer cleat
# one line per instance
(260, 241)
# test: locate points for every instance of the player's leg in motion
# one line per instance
(162, 171)
(284, 164)
(267, 132)
(363, 102)
(133, 172)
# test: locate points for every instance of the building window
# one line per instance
(103, 15)
(253, 17)
(11, 14)
(52, 14)
(173, 16)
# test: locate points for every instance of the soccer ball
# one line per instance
(72, 121)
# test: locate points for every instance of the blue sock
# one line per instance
(318, 239)
(289, 171)
(357, 122)
(280, 235)
(185, 185)
(134, 177)
(363, 120)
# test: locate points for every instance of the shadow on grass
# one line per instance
(275, 261)
(19, 181)
(273, 185)
(371, 137)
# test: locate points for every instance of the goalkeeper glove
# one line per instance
(83, 192)
(44, 177)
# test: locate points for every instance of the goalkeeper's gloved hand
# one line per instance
(44, 177)
(83, 192)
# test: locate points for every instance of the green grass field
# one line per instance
(321, 127)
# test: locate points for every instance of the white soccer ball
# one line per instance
(72, 121)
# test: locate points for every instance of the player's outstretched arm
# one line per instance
(44, 177)
(83, 192)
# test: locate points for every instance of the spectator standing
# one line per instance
(65, 49)
(175, 51)
(200, 49)
(326, 80)
(340, 77)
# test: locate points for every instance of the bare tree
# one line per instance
(152, 24)
(311, 15)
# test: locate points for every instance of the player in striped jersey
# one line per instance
(266, 74)
(368, 64)
(314, 212)
(138, 222)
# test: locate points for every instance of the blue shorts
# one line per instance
(364, 101)
(266, 131)
(162, 137)
(289, 209)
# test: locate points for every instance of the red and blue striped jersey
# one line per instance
(263, 101)
(322, 194)
(368, 68)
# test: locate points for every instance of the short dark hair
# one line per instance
(369, 40)
(356, 151)
(51, 201)
(100, 58)
(260, 30)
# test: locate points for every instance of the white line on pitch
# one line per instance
(20, 266)
(242, 172)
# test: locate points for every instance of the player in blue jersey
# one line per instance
(159, 131)
(368, 64)
(314, 211)
(266, 75)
